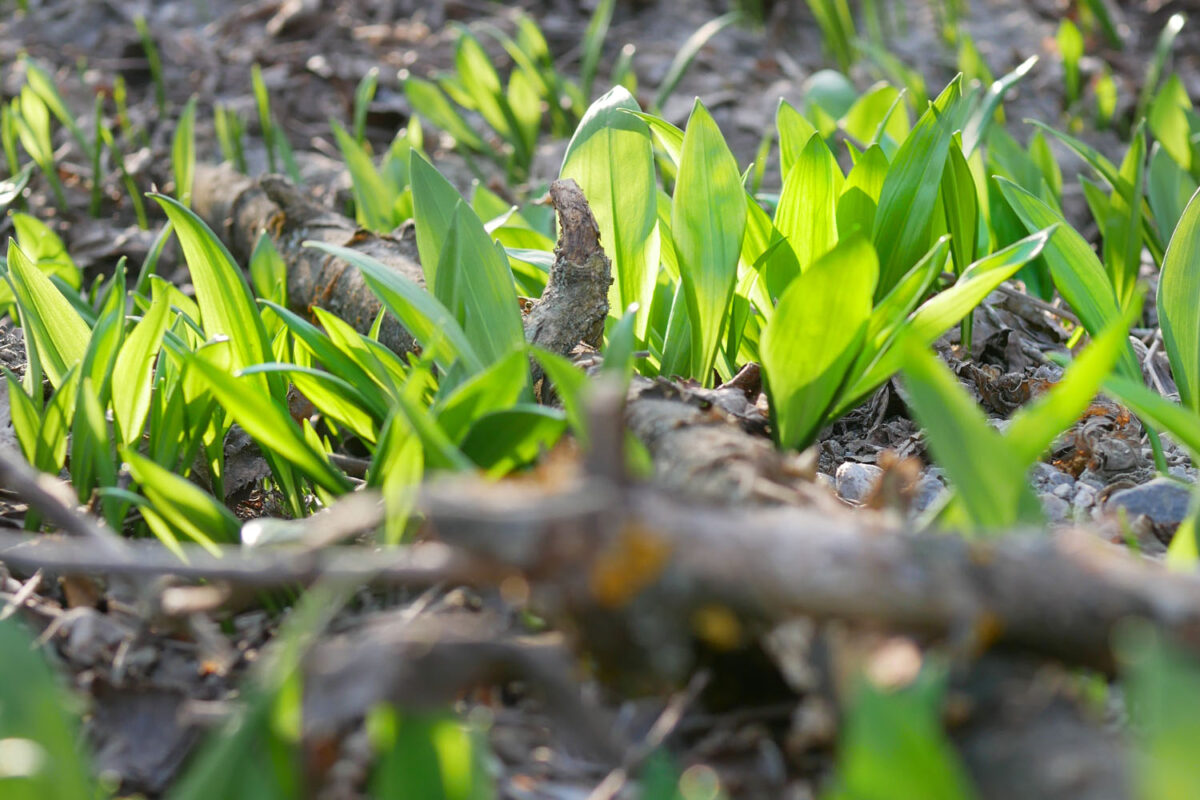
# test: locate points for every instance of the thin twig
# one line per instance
(26, 482)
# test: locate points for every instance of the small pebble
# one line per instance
(929, 489)
(1064, 490)
(1085, 497)
(855, 481)
(1057, 509)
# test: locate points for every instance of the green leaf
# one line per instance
(1168, 120)
(427, 757)
(988, 474)
(373, 199)
(807, 211)
(396, 469)
(857, 203)
(611, 157)
(960, 205)
(1162, 693)
(183, 152)
(430, 322)
(269, 424)
(910, 190)
(51, 323)
(132, 374)
(708, 219)
(687, 53)
(495, 388)
(38, 241)
(39, 723)
(892, 744)
(501, 441)
(1123, 236)
(1168, 189)
(804, 357)
(937, 314)
(434, 201)
(226, 304)
(182, 504)
(794, 134)
(430, 102)
(1077, 272)
(1179, 304)
(476, 286)
(1033, 428)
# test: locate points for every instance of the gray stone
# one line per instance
(1085, 497)
(1064, 490)
(1046, 478)
(1162, 500)
(855, 481)
(929, 489)
(1057, 509)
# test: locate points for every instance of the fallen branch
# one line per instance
(604, 560)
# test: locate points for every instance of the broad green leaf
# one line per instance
(910, 190)
(1168, 120)
(38, 241)
(938, 314)
(430, 102)
(482, 83)
(892, 745)
(1077, 272)
(183, 152)
(476, 286)
(427, 756)
(268, 272)
(51, 323)
(804, 357)
(434, 201)
(132, 375)
(708, 219)
(807, 212)
(1179, 304)
(766, 251)
(24, 416)
(1123, 239)
(336, 398)
(430, 322)
(182, 504)
(1162, 692)
(1168, 189)
(985, 470)
(495, 388)
(226, 304)
(396, 469)
(959, 203)
(611, 157)
(669, 137)
(373, 199)
(794, 133)
(39, 724)
(879, 112)
(860, 193)
(270, 424)
(500, 441)
(1034, 427)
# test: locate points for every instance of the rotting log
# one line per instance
(698, 445)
